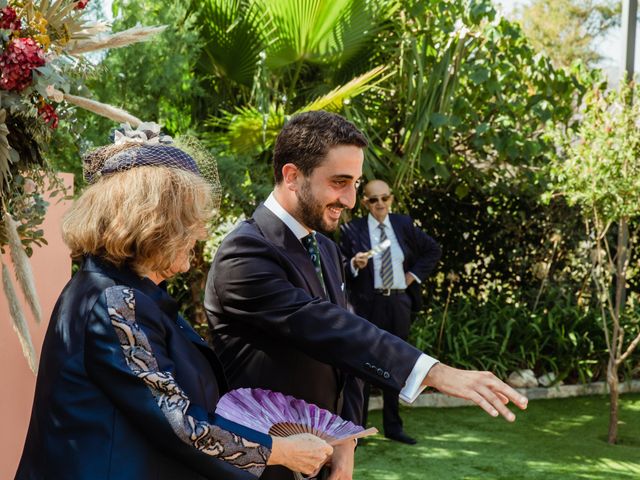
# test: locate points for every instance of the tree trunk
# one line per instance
(612, 380)
(616, 334)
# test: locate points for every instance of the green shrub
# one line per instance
(502, 335)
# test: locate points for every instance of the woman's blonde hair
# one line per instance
(143, 217)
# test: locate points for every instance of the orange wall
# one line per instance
(52, 269)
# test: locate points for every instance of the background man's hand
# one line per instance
(342, 461)
(360, 260)
(409, 278)
(482, 388)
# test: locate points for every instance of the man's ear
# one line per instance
(291, 176)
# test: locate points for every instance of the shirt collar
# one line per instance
(278, 210)
(373, 223)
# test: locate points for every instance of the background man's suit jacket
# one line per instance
(421, 253)
(274, 328)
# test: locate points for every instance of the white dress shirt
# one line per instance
(413, 386)
(299, 230)
(397, 255)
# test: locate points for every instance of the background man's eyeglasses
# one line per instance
(373, 200)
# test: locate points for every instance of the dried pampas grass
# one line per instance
(21, 264)
(113, 113)
(19, 322)
(117, 40)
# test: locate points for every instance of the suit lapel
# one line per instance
(279, 234)
(332, 277)
(365, 238)
(397, 226)
(365, 241)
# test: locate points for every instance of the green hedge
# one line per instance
(503, 335)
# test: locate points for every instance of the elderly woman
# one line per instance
(126, 388)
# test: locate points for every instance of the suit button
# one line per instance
(379, 371)
(386, 375)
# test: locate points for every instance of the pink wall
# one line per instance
(52, 269)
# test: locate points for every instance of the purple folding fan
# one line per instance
(280, 415)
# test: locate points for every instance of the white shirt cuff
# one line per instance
(415, 276)
(413, 387)
(354, 270)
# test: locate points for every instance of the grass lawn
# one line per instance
(563, 439)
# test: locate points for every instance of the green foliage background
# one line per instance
(456, 122)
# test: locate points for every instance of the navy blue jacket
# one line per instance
(421, 254)
(126, 389)
(276, 328)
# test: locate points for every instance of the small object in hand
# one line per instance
(281, 415)
(381, 247)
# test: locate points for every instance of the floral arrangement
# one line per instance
(42, 62)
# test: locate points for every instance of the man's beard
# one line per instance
(311, 213)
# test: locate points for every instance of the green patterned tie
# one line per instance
(311, 244)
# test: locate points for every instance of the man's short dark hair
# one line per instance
(307, 137)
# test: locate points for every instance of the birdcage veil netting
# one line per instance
(146, 146)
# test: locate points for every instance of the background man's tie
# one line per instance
(311, 244)
(386, 267)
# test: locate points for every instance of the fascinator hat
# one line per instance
(148, 146)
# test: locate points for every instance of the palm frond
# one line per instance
(335, 100)
(22, 266)
(318, 31)
(18, 321)
(236, 33)
(117, 40)
(248, 131)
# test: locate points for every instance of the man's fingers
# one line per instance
(486, 399)
(497, 405)
(502, 398)
(483, 403)
(505, 390)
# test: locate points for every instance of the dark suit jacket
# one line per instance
(273, 327)
(125, 389)
(421, 254)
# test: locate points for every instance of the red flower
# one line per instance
(9, 19)
(48, 113)
(17, 62)
(81, 4)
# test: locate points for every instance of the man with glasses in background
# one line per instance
(384, 287)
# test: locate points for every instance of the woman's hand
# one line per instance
(304, 453)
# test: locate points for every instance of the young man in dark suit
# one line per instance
(385, 288)
(275, 295)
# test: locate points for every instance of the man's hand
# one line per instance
(409, 278)
(342, 461)
(482, 388)
(360, 260)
